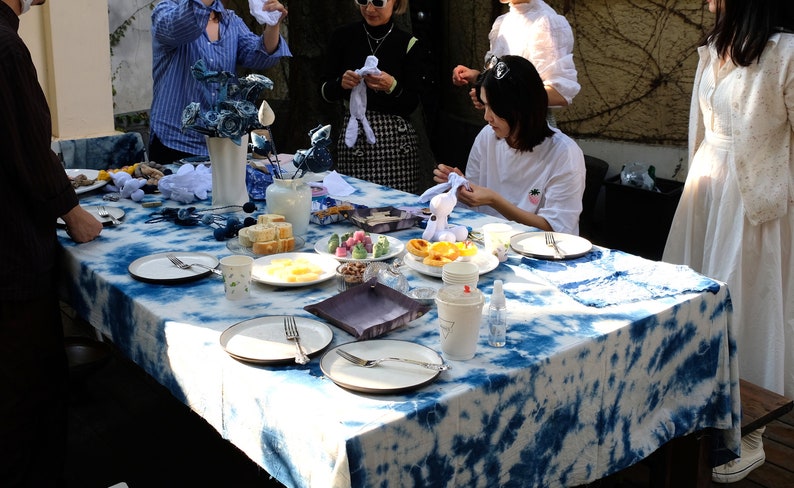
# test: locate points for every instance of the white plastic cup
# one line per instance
(497, 239)
(460, 273)
(459, 318)
(237, 276)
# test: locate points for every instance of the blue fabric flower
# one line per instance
(234, 112)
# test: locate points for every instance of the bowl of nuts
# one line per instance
(350, 274)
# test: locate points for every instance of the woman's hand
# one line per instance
(442, 171)
(275, 5)
(474, 100)
(476, 196)
(350, 80)
(462, 75)
(381, 82)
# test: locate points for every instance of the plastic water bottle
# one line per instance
(497, 316)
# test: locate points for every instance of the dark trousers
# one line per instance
(162, 154)
(33, 393)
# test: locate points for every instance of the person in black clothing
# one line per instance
(391, 96)
(34, 192)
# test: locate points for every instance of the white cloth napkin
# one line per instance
(336, 185)
(454, 181)
(358, 105)
(261, 16)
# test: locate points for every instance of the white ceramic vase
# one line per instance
(228, 172)
(293, 200)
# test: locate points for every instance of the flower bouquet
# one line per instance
(234, 113)
(226, 126)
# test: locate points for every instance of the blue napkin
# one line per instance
(605, 277)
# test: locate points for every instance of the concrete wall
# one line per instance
(68, 42)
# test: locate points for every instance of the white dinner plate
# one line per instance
(326, 263)
(157, 268)
(533, 244)
(91, 174)
(388, 376)
(262, 340)
(94, 210)
(487, 262)
(395, 248)
(234, 246)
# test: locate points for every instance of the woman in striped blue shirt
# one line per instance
(184, 31)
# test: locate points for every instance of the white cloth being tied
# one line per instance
(358, 105)
(454, 181)
(262, 16)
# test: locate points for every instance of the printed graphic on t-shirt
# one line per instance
(534, 196)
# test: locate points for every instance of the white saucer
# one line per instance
(262, 339)
(485, 261)
(91, 174)
(157, 268)
(533, 244)
(387, 377)
(94, 210)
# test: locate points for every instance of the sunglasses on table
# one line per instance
(375, 3)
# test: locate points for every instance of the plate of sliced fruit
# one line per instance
(359, 245)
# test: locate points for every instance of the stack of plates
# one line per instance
(460, 273)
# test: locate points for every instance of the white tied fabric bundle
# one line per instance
(261, 16)
(443, 198)
(358, 105)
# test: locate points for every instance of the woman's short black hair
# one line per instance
(516, 93)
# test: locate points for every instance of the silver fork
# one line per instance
(183, 265)
(291, 330)
(103, 212)
(551, 242)
(369, 363)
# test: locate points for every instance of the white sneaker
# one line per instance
(752, 457)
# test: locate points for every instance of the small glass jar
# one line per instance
(388, 275)
(350, 274)
(293, 200)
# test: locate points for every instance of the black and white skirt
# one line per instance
(392, 161)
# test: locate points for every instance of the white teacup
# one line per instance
(497, 239)
(237, 276)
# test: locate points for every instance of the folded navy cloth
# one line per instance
(605, 277)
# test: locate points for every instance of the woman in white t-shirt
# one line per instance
(519, 167)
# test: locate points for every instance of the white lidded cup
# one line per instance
(237, 270)
(460, 273)
(459, 318)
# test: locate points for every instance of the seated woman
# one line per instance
(519, 167)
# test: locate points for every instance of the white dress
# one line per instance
(711, 234)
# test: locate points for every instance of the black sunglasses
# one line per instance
(375, 3)
(500, 69)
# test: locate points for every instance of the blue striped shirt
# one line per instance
(179, 39)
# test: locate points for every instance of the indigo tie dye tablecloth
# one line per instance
(604, 363)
